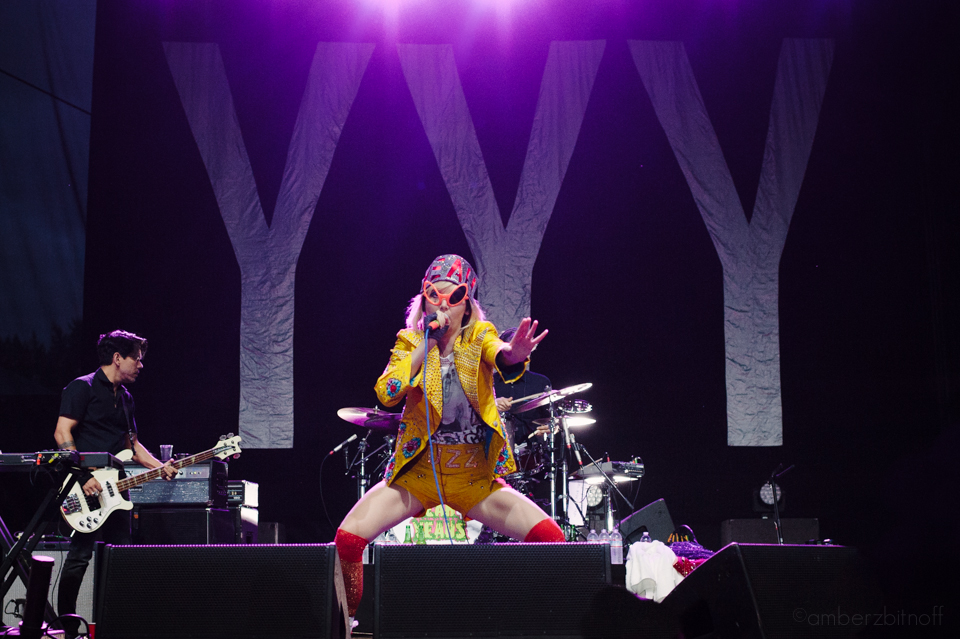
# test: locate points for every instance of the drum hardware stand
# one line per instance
(607, 483)
(549, 397)
(563, 517)
(362, 457)
(552, 470)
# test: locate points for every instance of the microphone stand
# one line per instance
(776, 474)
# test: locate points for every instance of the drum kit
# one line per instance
(540, 457)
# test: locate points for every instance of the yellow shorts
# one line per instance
(461, 471)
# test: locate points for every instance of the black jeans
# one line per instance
(116, 530)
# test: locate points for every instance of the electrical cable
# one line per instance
(86, 624)
(16, 607)
(323, 502)
(426, 402)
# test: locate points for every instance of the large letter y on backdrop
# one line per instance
(267, 254)
(749, 251)
(504, 256)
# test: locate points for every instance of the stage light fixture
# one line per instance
(763, 498)
(594, 496)
(767, 491)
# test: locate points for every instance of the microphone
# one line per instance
(344, 443)
(433, 323)
(571, 440)
(576, 449)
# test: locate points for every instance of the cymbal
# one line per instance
(370, 417)
(571, 420)
(552, 396)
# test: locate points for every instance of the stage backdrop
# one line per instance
(732, 217)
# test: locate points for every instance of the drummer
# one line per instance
(529, 384)
(457, 415)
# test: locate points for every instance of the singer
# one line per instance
(446, 381)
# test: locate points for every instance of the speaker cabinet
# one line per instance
(654, 518)
(767, 591)
(488, 590)
(271, 532)
(245, 524)
(184, 526)
(220, 592)
(18, 590)
(763, 531)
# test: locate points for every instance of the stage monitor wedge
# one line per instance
(220, 592)
(486, 590)
(654, 518)
(760, 591)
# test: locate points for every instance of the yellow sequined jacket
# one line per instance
(475, 354)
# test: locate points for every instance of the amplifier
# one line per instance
(763, 531)
(243, 493)
(203, 484)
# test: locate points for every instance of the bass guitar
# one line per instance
(86, 513)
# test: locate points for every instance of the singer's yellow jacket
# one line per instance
(475, 354)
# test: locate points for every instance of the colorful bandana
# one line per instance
(452, 268)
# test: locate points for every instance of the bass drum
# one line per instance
(529, 456)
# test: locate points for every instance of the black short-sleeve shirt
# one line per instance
(104, 419)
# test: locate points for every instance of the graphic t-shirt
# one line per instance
(459, 423)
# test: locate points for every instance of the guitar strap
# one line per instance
(131, 425)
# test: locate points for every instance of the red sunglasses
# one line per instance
(456, 297)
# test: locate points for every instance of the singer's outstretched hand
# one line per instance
(523, 343)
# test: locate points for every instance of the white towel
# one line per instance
(650, 571)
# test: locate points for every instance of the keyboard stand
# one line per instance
(14, 551)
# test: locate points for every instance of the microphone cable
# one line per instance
(426, 404)
(323, 502)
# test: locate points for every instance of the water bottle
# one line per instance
(604, 536)
(616, 547)
(593, 535)
(645, 537)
